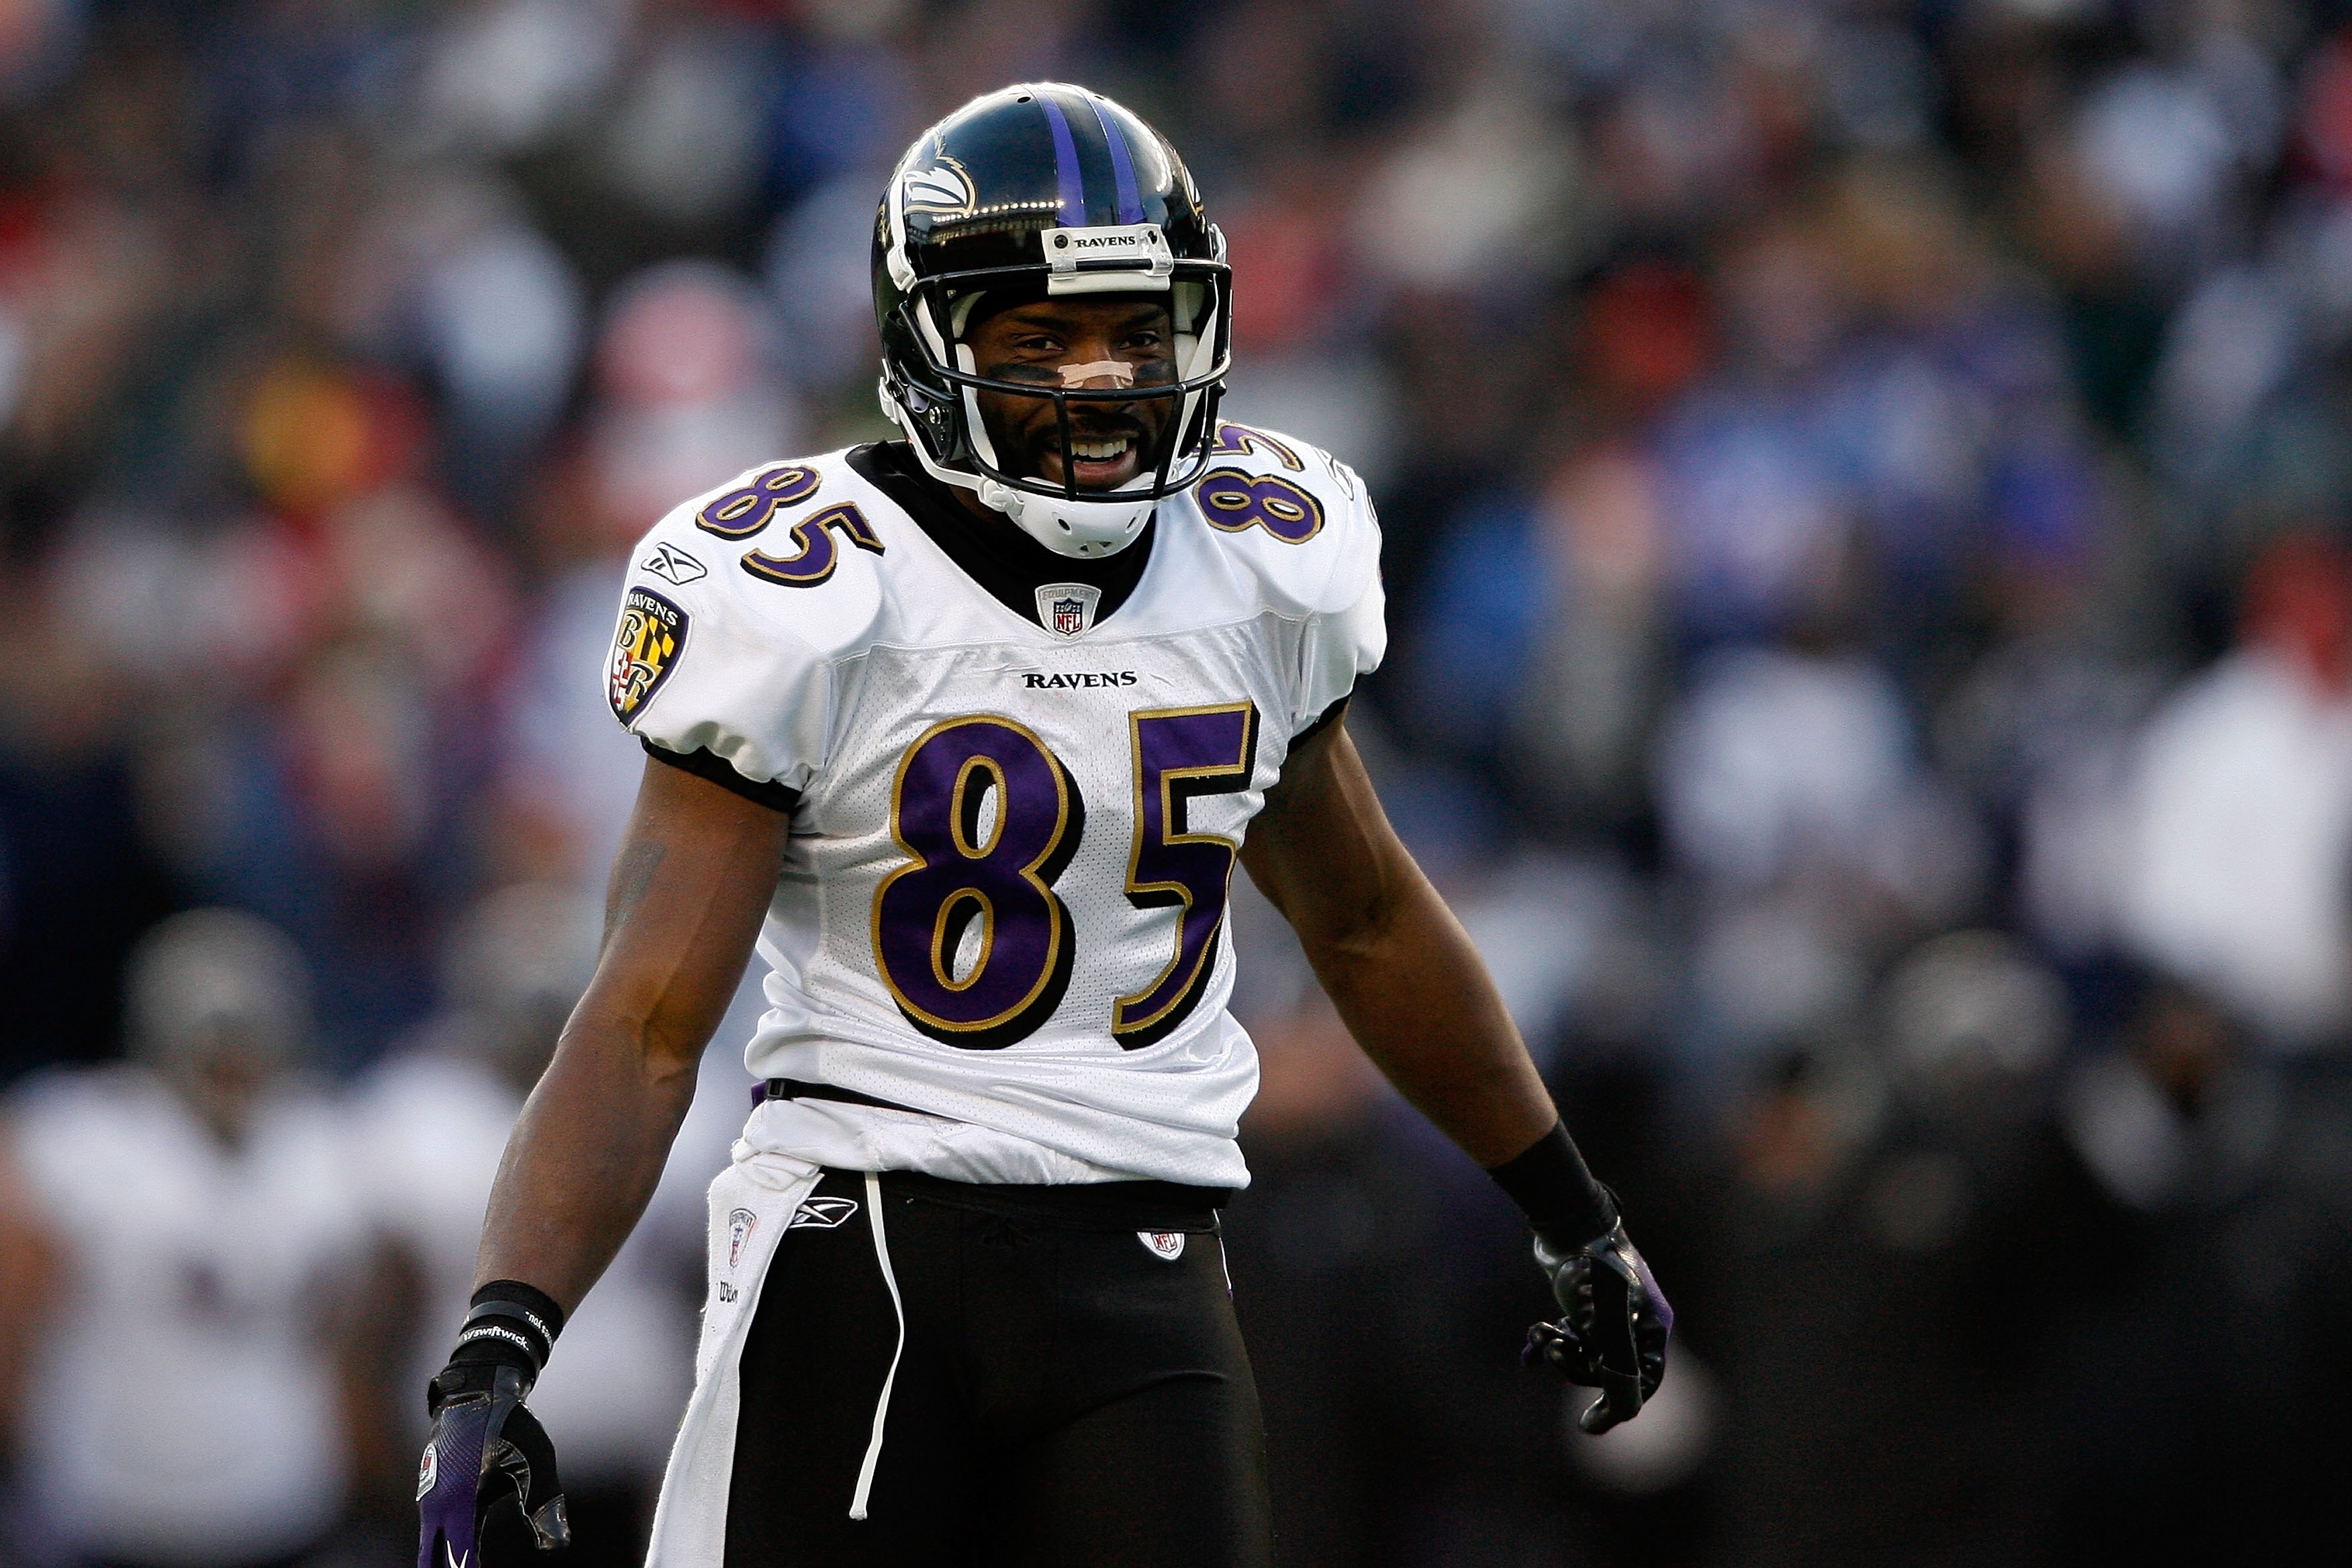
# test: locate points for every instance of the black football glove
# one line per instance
(1613, 1336)
(489, 1470)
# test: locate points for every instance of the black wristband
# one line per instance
(1555, 1192)
(510, 1313)
(511, 1324)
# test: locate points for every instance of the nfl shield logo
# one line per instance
(1067, 609)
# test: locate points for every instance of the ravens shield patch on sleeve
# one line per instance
(644, 650)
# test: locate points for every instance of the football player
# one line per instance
(205, 1240)
(969, 730)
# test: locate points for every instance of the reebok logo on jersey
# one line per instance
(1086, 681)
(1167, 1246)
(669, 561)
(821, 1214)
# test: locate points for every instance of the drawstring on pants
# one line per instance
(882, 1407)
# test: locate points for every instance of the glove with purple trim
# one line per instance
(1613, 1336)
(488, 1471)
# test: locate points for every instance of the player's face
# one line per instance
(1057, 343)
(221, 1079)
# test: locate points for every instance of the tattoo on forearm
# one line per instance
(633, 877)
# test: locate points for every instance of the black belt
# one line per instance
(1106, 1205)
(794, 1089)
(1075, 1206)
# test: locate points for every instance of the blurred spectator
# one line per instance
(1580, 731)
(1870, 1288)
(191, 1218)
(80, 874)
(687, 397)
(452, 276)
(2241, 827)
(2194, 1259)
(689, 393)
(508, 76)
(1790, 791)
(819, 273)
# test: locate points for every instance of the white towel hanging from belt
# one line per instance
(751, 1203)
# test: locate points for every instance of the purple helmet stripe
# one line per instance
(1122, 167)
(1071, 186)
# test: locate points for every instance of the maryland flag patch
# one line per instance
(644, 651)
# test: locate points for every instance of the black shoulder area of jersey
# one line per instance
(992, 551)
(705, 764)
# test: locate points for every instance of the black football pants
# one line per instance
(1066, 1396)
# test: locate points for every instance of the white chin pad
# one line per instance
(1085, 528)
(1111, 370)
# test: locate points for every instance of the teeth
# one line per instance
(1097, 451)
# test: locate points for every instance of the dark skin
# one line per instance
(699, 864)
(1032, 342)
(689, 889)
(31, 1283)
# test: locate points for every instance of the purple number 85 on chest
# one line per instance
(970, 936)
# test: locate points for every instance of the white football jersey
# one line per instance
(182, 1408)
(1005, 899)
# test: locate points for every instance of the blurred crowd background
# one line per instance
(1868, 506)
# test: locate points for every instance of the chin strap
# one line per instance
(1040, 517)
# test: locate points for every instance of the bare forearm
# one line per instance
(692, 879)
(584, 1159)
(1416, 996)
(1392, 957)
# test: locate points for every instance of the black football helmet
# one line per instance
(1040, 190)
